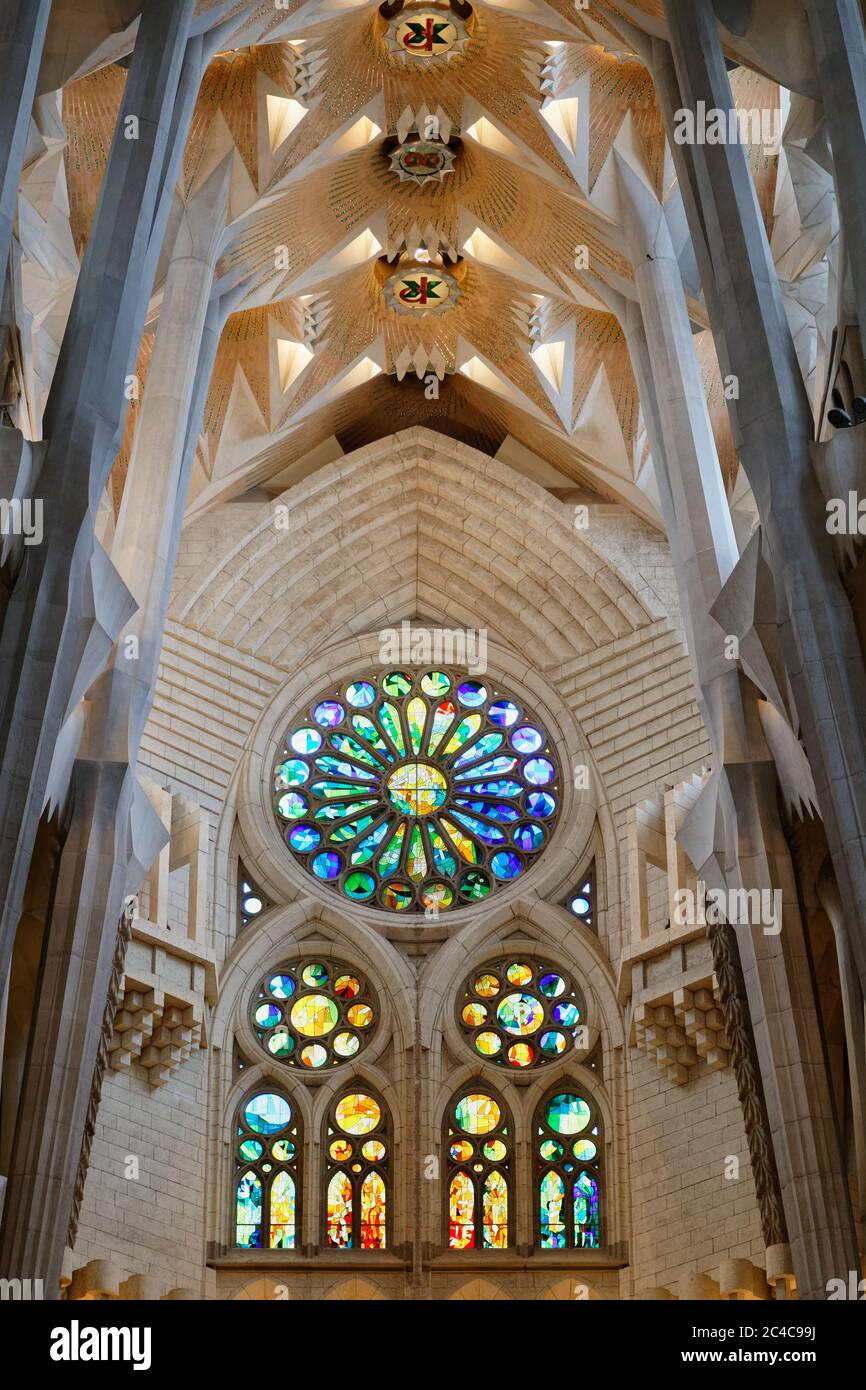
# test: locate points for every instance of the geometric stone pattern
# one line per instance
(158, 1031)
(683, 1026)
(735, 1281)
(161, 1015)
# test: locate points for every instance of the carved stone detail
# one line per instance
(124, 935)
(738, 1027)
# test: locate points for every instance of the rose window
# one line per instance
(312, 1015)
(521, 1013)
(416, 791)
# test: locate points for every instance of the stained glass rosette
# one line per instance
(521, 1013)
(313, 1014)
(267, 1154)
(417, 791)
(567, 1165)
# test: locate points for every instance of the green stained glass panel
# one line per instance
(389, 718)
(443, 859)
(416, 715)
(466, 729)
(416, 862)
(567, 1113)
(389, 859)
(364, 852)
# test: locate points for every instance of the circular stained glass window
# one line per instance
(416, 790)
(313, 1014)
(521, 1012)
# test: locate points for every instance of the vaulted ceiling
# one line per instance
(423, 220)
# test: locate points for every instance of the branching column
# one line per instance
(772, 427)
(96, 860)
(808, 1174)
(840, 50)
(46, 627)
(22, 36)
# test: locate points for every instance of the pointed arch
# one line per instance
(567, 1145)
(357, 1148)
(268, 1146)
(478, 1140)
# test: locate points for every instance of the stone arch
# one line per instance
(387, 1095)
(353, 1290)
(564, 1290)
(374, 509)
(255, 582)
(248, 1084)
(301, 929)
(504, 1095)
(581, 1079)
(262, 1289)
(479, 1290)
(546, 928)
(312, 1102)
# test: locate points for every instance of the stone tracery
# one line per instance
(430, 328)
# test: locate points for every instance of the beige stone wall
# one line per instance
(590, 629)
(688, 1217)
(153, 1224)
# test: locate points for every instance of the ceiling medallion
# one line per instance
(426, 36)
(422, 161)
(421, 289)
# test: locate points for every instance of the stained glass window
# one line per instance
(416, 791)
(267, 1165)
(582, 901)
(520, 1012)
(251, 900)
(314, 1014)
(478, 1151)
(567, 1139)
(358, 1153)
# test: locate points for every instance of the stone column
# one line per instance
(773, 429)
(855, 1032)
(22, 35)
(64, 1033)
(840, 51)
(45, 627)
(95, 864)
(808, 1176)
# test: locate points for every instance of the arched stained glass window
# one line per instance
(267, 1165)
(416, 791)
(478, 1148)
(567, 1139)
(313, 1014)
(358, 1158)
(520, 1012)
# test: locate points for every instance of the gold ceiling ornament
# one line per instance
(422, 161)
(426, 35)
(420, 288)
